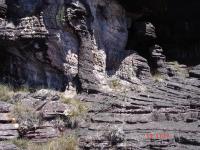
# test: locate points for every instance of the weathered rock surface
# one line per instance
(158, 60)
(7, 146)
(5, 107)
(168, 110)
(9, 131)
(195, 72)
(54, 109)
(29, 27)
(134, 68)
(145, 30)
(42, 134)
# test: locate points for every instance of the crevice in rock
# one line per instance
(141, 30)
(178, 32)
(77, 83)
(174, 30)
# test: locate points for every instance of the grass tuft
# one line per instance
(115, 84)
(26, 117)
(61, 143)
(78, 111)
(80, 108)
(158, 77)
(21, 143)
(6, 92)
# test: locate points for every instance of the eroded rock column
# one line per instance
(158, 60)
(91, 66)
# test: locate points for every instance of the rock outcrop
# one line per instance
(158, 60)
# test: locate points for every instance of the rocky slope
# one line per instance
(133, 64)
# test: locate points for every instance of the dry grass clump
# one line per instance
(21, 143)
(78, 111)
(26, 117)
(6, 92)
(80, 108)
(158, 77)
(61, 143)
(115, 84)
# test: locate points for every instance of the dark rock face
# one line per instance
(195, 72)
(135, 63)
(3, 8)
(158, 60)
